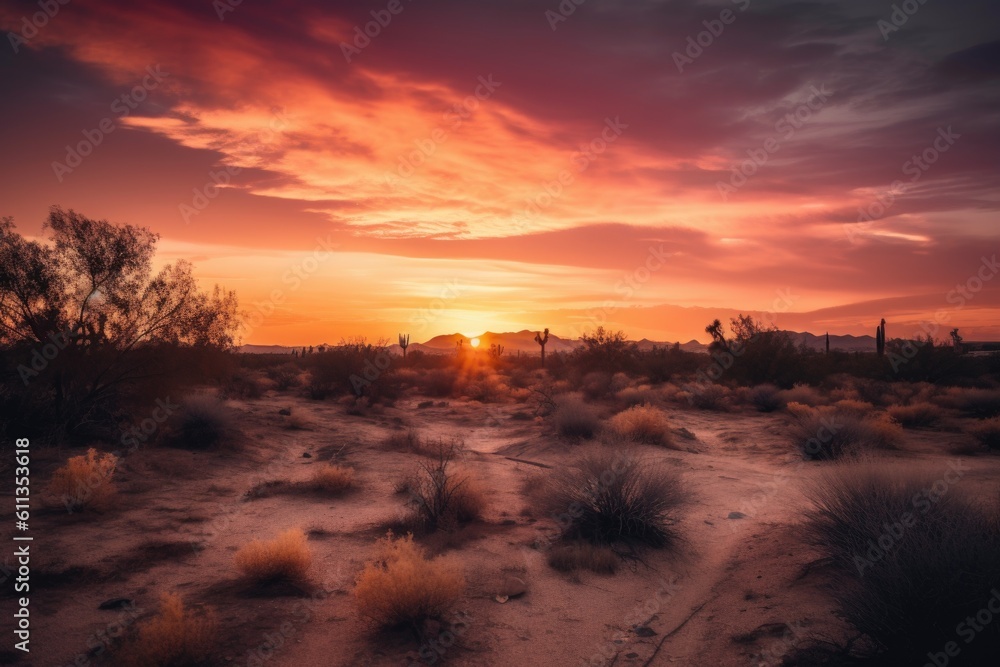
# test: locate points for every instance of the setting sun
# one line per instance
(474, 342)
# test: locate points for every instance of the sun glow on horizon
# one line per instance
(474, 342)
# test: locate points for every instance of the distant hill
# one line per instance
(524, 341)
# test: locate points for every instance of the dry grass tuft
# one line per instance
(910, 557)
(609, 497)
(642, 423)
(332, 480)
(285, 558)
(766, 398)
(204, 422)
(173, 638)
(445, 498)
(86, 482)
(402, 587)
(573, 418)
(833, 432)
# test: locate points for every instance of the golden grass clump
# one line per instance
(174, 637)
(642, 423)
(332, 479)
(402, 587)
(86, 481)
(286, 557)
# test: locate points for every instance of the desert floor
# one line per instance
(738, 593)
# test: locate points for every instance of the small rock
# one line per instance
(513, 587)
(645, 631)
(632, 656)
(306, 455)
(116, 603)
(285, 411)
(737, 515)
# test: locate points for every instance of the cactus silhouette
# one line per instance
(496, 351)
(880, 338)
(404, 342)
(542, 340)
(828, 342)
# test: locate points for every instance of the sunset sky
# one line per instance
(508, 165)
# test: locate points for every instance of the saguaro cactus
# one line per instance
(542, 340)
(828, 342)
(880, 338)
(496, 351)
(404, 342)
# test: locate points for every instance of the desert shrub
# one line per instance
(488, 389)
(86, 482)
(407, 440)
(243, 384)
(854, 407)
(284, 377)
(830, 432)
(443, 497)
(982, 403)
(286, 557)
(630, 396)
(438, 382)
(911, 560)
(354, 367)
(596, 385)
(642, 423)
(987, 432)
(609, 497)
(202, 423)
(916, 414)
(576, 555)
(802, 394)
(766, 398)
(573, 418)
(706, 395)
(332, 479)
(401, 587)
(174, 637)
(876, 392)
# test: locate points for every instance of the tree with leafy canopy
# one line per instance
(80, 313)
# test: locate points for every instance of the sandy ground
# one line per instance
(738, 594)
